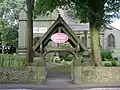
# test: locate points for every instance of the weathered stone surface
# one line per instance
(96, 75)
(80, 75)
(25, 75)
(77, 75)
(100, 75)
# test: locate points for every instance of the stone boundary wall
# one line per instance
(21, 75)
(37, 75)
(100, 75)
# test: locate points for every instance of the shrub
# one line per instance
(56, 59)
(69, 57)
(63, 55)
(106, 55)
(107, 64)
(113, 62)
(66, 55)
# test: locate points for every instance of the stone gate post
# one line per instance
(77, 70)
(41, 70)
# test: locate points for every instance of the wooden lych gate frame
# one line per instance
(60, 26)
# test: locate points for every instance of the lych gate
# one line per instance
(77, 47)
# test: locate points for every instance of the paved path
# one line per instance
(67, 89)
(103, 89)
(52, 73)
(13, 87)
(62, 84)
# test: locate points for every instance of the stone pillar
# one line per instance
(77, 71)
(87, 61)
(22, 40)
(41, 70)
(72, 71)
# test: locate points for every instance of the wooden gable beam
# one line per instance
(65, 27)
(51, 28)
(48, 38)
(36, 45)
(70, 37)
(82, 46)
(47, 33)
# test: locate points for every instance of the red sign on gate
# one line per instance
(59, 37)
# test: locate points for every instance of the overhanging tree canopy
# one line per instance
(82, 8)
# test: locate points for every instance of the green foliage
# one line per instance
(106, 55)
(9, 13)
(66, 55)
(111, 10)
(113, 62)
(9, 33)
(107, 64)
(9, 10)
(7, 60)
(69, 57)
(41, 7)
(107, 58)
(10, 36)
(103, 11)
(56, 59)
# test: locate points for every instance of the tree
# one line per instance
(30, 6)
(10, 36)
(8, 33)
(9, 14)
(9, 10)
(96, 12)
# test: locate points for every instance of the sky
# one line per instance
(116, 24)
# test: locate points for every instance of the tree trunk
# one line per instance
(29, 32)
(95, 45)
(96, 21)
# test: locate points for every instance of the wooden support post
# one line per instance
(85, 33)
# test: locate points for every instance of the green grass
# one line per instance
(9, 60)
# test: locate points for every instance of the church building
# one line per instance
(109, 37)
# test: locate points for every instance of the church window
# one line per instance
(111, 41)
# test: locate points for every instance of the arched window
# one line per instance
(111, 41)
